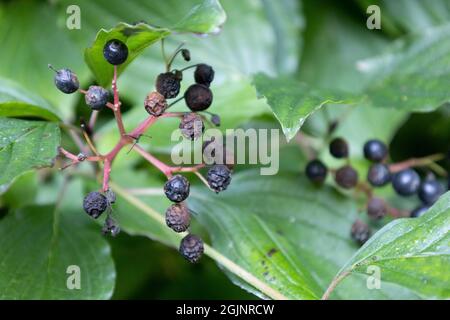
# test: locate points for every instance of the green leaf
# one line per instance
(18, 102)
(39, 245)
(293, 102)
(414, 253)
(26, 145)
(206, 17)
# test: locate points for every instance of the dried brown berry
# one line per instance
(168, 84)
(155, 104)
(198, 97)
(191, 247)
(346, 177)
(191, 126)
(178, 217)
(376, 208)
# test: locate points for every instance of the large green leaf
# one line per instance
(414, 253)
(25, 145)
(17, 102)
(42, 246)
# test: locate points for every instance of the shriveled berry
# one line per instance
(339, 148)
(66, 81)
(419, 211)
(378, 175)
(198, 97)
(215, 152)
(316, 171)
(95, 204)
(177, 188)
(406, 182)
(430, 190)
(191, 126)
(96, 97)
(111, 226)
(168, 84)
(219, 177)
(375, 150)
(360, 232)
(111, 196)
(191, 248)
(376, 208)
(186, 54)
(346, 177)
(178, 217)
(155, 104)
(115, 52)
(204, 74)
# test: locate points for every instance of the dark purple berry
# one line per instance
(204, 74)
(66, 81)
(177, 188)
(375, 150)
(96, 97)
(155, 104)
(178, 217)
(378, 175)
(115, 52)
(191, 248)
(198, 97)
(168, 84)
(339, 148)
(186, 54)
(376, 208)
(191, 126)
(406, 182)
(219, 177)
(430, 190)
(316, 171)
(346, 177)
(95, 204)
(360, 232)
(419, 211)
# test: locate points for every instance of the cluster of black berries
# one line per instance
(198, 98)
(405, 182)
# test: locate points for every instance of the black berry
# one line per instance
(430, 190)
(360, 232)
(66, 81)
(115, 52)
(168, 84)
(198, 97)
(191, 248)
(178, 217)
(419, 211)
(177, 188)
(219, 177)
(375, 150)
(155, 104)
(339, 148)
(376, 208)
(191, 126)
(95, 204)
(96, 97)
(186, 54)
(378, 175)
(406, 182)
(346, 177)
(316, 171)
(204, 74)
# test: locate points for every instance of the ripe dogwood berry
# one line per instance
(96, 97)
(429, 191)
(339, 148)
(177, 188)
(191, 248)
(376, 208)
(378, 175)
(419, 211)
(65, 80)
(219, 177)
(191, 126)
(375, 150)
(346, 177)
(360, 232)
(168, 84)
(155, 104)
(95, 204)
(198, 97)
(178, 217)
(316, 171)
(115, 52)
(406, 182)
(204, 74)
